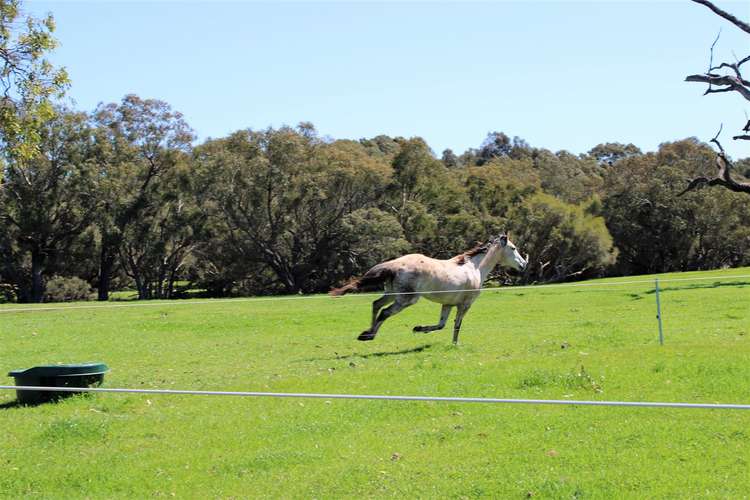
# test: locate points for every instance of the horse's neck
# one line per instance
(486, 262)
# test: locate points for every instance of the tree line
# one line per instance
(120, 198)
(123, 197)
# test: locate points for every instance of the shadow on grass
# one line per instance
(697, 286)
(379, 354)
(11, 404)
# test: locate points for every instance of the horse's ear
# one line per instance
(503, 239)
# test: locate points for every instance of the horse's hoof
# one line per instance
(417, 329)
(365, 336)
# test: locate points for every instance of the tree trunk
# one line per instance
(170, 282)
(106, 263)
(37, 281)
(288, 280)
(141, 281)
(161, 279)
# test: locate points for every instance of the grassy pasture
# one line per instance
(580, 343)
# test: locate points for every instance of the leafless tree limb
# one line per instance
(724, 177)
(719, 82)
(726, 15)
(729, 82)
(711, 57)
(735, 67)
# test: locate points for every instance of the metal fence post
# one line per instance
(658, 313)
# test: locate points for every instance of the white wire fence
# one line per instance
(386, 397)
(505, 289)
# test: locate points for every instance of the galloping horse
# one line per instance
(452, 282)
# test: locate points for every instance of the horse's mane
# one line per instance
(463, 257)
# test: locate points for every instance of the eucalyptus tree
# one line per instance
(609, 153)
(430, 201)
(280, 199)
(138, 142)
(47, 202)
(655, 232)
(495, 187)
(382, 146)
(29, 83)
(498, 145)
(157, 248)
(450, 159)
(574, 179)
(563, 240)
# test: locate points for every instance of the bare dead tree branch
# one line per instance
(735, 67)
(711, 57)
(726, 77)
(715, 138)
(724, 177)
(726, 15)
(729, 82)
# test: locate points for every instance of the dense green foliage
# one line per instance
(28, 80)
(587, 342)
(123, 197)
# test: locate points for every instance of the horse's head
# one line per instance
(508, 255)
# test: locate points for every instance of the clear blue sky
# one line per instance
(562, 75)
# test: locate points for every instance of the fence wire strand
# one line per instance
(509, 289)
(382, 397)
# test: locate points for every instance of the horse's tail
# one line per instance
(371, 281)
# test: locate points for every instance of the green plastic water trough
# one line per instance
(83, 375)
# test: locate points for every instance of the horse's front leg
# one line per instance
(460, 312)
(444, 313)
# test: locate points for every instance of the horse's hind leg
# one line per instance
(401, 303)
(444, 313)
(378, 305)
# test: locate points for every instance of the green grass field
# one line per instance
(597, 342)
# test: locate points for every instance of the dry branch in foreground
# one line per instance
(724, 177)
(726, 77)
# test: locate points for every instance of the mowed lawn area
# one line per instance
(585, 342)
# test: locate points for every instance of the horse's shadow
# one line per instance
(379, 354)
